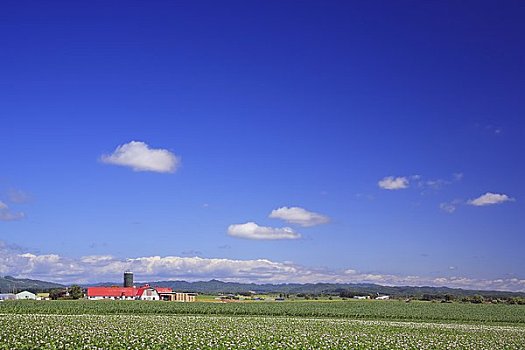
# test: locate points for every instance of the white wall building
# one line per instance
(148, 293)
(26, 295)
(7, 296)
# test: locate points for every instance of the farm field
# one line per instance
(350, 309)
(250, 332)
(267, 325)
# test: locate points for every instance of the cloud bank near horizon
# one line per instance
(97, 268)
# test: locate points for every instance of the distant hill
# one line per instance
(9, 284)
(216, 287)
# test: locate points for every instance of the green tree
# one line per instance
(449, 297)
(75, 292)
(55, 294)
(477, 299)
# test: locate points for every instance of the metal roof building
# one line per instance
(26, 295)
(7, 296)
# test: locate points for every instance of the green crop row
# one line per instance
(374, 310)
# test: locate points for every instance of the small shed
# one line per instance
(26, 295)
(42, 296)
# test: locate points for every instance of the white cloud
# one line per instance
(436, 184)
(90, 269)
(140, 157)
(489, 199)
(7, 215)
(299, 216)
(391, 183)
(450, 207)
(93, 259)
(251, 230)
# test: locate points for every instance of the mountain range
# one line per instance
(10, 284)
(217, 287)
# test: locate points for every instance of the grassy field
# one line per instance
(265, 325)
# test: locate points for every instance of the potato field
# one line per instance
(314, 325)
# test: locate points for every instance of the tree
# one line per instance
(477, 299)
(75, 292)
(55, 294)
(449, 297)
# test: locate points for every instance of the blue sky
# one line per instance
(387, 139)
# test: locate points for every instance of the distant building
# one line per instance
(383, 297)
(176, 296)
(42, 296)
(7, 296)
(148, 293)
(361, 297)
(130, 292)
(115, 293)
(128, 279)
(26, 295)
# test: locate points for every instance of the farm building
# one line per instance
(42, 296)
(175, 296)
(7, 296)
(116, 293)
(26, 295)
(130, 292)
(145, 292)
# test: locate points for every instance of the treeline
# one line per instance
(474, 299)
(72, 293)
(327, 289)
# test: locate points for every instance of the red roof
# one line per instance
(164, 290)
(118, 292)
(141, 290)
(111, 292)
